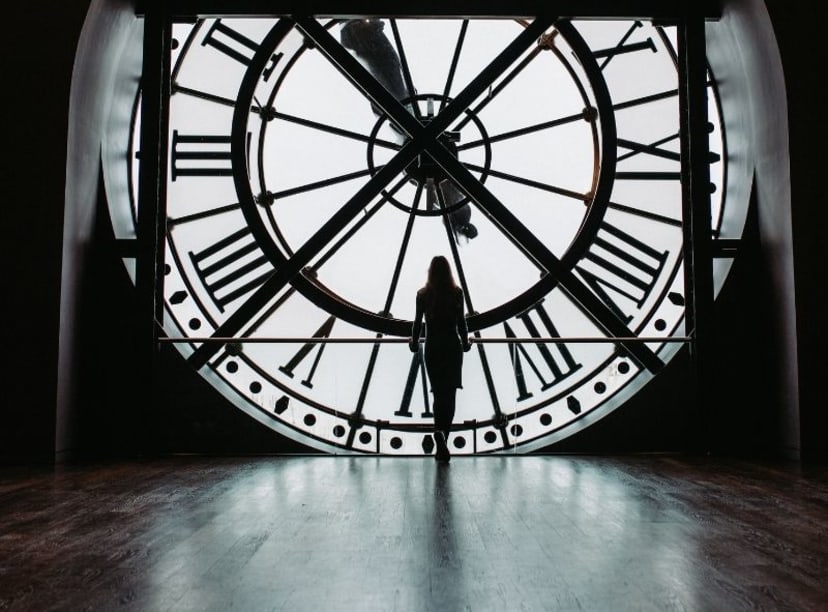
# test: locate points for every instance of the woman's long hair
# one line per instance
(440, 288)
(440, 279)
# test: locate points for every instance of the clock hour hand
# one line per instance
(366, 38)
(368, 41)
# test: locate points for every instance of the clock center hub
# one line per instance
(441, 195)
(424, 167)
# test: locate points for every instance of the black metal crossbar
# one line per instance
(392, 340)
(582, 9)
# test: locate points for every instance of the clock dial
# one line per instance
(316, 167)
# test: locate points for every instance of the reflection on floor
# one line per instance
(486, 533)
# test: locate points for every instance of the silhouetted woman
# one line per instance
(441, 303)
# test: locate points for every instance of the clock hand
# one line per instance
(409, 84)
(458, 47)
(365, 37)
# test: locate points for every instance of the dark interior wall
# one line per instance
(110, 31)
(799, 28)
(751, 79)
(39, 43)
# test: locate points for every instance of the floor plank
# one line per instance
(485, 533)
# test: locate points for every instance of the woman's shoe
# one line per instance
(442, 453)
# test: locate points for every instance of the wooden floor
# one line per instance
(486, 533)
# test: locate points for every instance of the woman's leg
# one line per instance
(443, 416)
(444, 408)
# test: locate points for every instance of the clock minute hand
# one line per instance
(388, 64)
(366, 38)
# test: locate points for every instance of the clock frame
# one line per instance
(521, 333)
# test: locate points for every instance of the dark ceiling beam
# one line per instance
(612, 9)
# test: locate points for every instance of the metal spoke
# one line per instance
(522, 131)
(458, 264)
(461, 37)
(203, 95)
(335, 130)
(564, 120)
(391, 291)
(403, 248)
(322, 184)
(355, 417)
(663, 95)
(406, 71)
(575, 195)
(651, 149)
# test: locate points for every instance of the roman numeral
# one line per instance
(232, 267)
(236, 45)
(654, 150)
(556, 361)
(415, 370)
(621, 265)
(624, 47)
(202, 155)
(324, 331)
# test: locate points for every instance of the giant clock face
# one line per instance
(316, 167)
